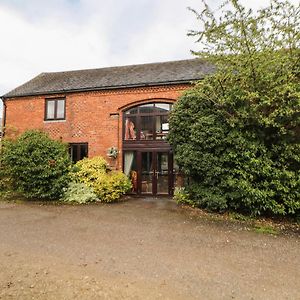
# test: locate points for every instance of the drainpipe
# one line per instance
(4, 116)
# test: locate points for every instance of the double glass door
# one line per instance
(155, 173)
(150, 171)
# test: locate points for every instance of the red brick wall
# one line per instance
(88, 115)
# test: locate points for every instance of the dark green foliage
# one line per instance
(236, 134)
(38, 166)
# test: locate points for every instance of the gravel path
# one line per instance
(140, 249)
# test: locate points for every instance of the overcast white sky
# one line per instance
(55, 35)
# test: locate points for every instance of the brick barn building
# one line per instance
(100, 111)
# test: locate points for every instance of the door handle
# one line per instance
(154, 173)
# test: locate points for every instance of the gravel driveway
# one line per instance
(140, 249)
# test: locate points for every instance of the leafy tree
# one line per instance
(37, 165)
(236, 134)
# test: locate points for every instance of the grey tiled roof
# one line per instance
(171, 72)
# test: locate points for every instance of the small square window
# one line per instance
(55, 109)
(78, 151)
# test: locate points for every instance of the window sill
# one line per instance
(54, 121)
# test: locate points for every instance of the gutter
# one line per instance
(89, 89)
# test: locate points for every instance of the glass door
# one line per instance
(155, 173)
(147, 173)
(162, 173)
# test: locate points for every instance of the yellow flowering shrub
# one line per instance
(111, 186)
(89, 169)
(94, 172)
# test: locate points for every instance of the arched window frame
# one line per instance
(134, 120)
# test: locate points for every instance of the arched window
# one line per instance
(147, 122)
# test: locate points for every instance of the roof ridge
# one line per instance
(124, 66)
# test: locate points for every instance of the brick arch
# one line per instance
(145, 101)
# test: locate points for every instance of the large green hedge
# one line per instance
(236, 134)
(38, 166)
(248, 169)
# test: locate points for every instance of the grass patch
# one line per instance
(10, 196)
(239, 217)
(258, 224)
(265, 229)
(16, 198)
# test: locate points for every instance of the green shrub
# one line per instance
(181, 196)
(250, 169)
(36, 166)
(5, 180)
(109, 186)
(79, 193)
(89, 169)
(236, 134)
(210, 198)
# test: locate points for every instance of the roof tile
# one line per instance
(114, 77)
